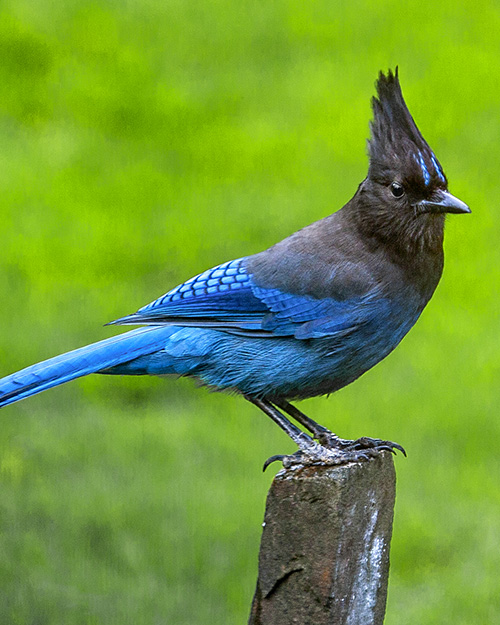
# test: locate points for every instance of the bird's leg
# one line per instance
(311, 452)
(330, 440)
(298, 437)
(318, 431)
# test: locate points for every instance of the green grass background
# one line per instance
(142, 142)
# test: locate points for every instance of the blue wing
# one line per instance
(228, 298)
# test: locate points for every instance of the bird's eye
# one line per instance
(397, 189)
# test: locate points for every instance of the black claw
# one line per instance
(365, 443)
(400, 448)
(276, 458)
(386, 448)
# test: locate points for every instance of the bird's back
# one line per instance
(334, 258)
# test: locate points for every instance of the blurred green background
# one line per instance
(142, 142)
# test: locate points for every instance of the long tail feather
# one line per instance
(80, 362)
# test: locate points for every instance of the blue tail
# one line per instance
(90, 359)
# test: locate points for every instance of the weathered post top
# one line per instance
(324, 555)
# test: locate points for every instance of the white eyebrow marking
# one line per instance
(423, 166)
(438, 169)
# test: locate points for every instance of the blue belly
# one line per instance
(275, 367)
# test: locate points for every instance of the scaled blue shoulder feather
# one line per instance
(228, 298)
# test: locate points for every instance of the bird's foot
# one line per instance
(342, 452)
(332, 441)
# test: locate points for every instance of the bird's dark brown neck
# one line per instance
(412, 242)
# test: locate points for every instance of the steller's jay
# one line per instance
(305, 317)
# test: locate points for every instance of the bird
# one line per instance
(305, 317)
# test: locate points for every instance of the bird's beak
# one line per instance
(443, 202)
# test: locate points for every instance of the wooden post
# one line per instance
(324, 553)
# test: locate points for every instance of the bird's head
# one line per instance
(405, 182)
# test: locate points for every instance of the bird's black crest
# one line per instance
(396, 144)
